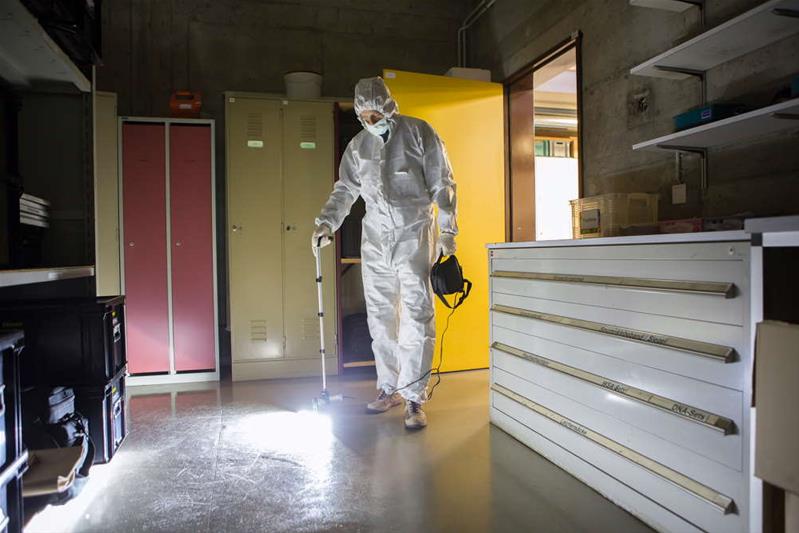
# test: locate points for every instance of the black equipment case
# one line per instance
(104, 407)
(75, 341)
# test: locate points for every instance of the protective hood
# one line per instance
(371, 94)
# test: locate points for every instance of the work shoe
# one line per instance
(414, 416)
(384, 402)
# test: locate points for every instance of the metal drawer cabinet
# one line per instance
(711, 432)
(633, 357)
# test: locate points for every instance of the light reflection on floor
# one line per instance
(255, 457)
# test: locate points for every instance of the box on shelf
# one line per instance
(706, 114)
(605, 215)
(723, 224)
(682, 225)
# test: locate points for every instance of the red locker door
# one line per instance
(144, 223)
(192, 247)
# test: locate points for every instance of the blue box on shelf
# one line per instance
(706, 114)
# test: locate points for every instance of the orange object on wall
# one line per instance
(185, 104)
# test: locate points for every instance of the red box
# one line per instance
(683, 225)
(185, 104)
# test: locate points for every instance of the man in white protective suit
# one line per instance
(399, 166)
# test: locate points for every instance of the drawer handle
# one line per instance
(727, 290)
(705, 349)
(722, 503)
(694, 414)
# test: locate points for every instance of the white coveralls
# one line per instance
(399, 180)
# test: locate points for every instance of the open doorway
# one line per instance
(543, 130)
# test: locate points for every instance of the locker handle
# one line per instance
(179, 243)
(237, 228)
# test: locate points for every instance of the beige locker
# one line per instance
(106, 194)
(280, 159)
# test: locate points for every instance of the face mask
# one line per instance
(378, 128)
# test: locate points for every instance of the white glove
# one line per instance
(446, 244)
(322, 236)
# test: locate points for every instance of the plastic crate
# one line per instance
(605, 215)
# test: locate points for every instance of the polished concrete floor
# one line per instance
(255, 457)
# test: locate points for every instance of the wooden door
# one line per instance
(193, 318)
(521, 159)
(145, 247)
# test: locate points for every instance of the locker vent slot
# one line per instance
(255, 126)
(308, 128)
(258, 331)
(310, 329)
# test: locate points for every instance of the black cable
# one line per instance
(433, 371)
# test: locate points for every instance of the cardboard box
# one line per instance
(777, 404)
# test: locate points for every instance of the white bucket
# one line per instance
(303, 84)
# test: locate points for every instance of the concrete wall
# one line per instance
(153, 47)
(761, 177)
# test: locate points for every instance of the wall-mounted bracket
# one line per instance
(785, 12)
(702, 152)
(700, 74)
(785, 116)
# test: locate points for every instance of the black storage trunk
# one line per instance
(15, 458)
(76, 341)
(104, 407)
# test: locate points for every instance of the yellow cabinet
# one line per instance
(280, 168)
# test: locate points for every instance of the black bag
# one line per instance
(50, 421)
(446, 276)
(59, 403)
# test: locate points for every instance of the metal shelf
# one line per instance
(29, 55)
(767, 23)
(764, 121)
(677, 6)
(10, 278)
(358, 364)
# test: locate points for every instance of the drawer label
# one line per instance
(727, 290)
(694, 414)
(705, 349)
(719, 501)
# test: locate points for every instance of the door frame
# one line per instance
(173, 376)
(572, 41)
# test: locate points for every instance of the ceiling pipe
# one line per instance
(476, 13)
